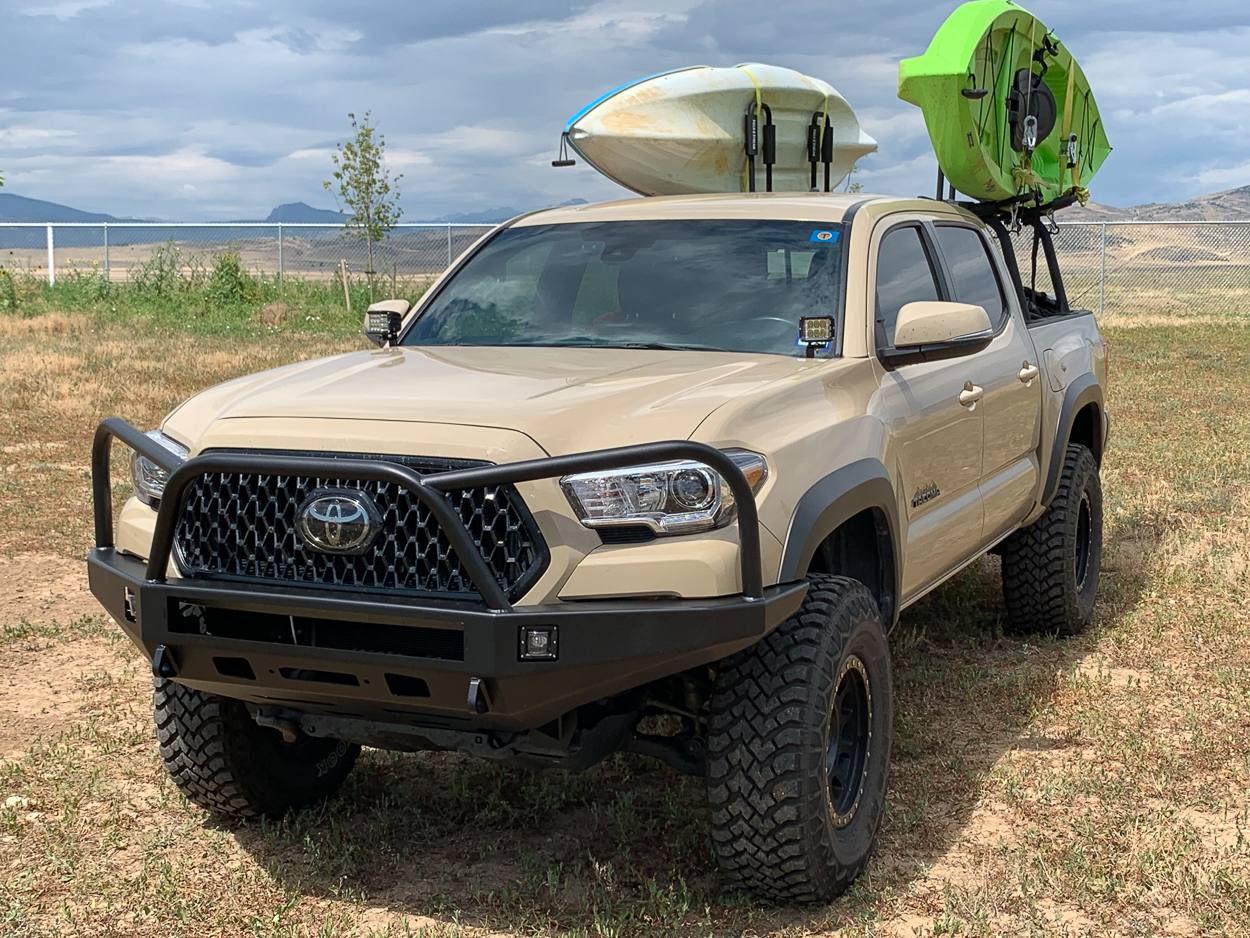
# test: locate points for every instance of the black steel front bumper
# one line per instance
(476, 679)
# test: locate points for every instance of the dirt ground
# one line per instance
(1099, 786)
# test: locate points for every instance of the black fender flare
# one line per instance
(830, 502)
(1082, 392)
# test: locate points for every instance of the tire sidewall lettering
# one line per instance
(332, 760)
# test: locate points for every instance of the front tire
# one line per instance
(1050, 568)
(799, 744)
(223, 761)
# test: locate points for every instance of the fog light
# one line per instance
(539, 643)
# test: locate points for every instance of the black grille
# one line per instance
(244, 526)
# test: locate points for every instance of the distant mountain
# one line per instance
(1229, 205)
(20, 208)
(300, 212)
(491, 216)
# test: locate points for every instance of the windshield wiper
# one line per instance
(669, 347)
(578, 341)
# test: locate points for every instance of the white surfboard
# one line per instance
(684, 131)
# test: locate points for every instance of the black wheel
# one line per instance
(225, 763)
(799, 748)
(1050, 568)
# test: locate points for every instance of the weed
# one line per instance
(8, 291)
(229, 284)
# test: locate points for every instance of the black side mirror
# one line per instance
(383, 320)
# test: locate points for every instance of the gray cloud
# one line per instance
(223, 109)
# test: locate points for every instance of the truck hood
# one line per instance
(565, 399)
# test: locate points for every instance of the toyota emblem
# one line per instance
(339, 521)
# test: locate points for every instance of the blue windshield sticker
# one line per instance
(827, 236)
(799, 343)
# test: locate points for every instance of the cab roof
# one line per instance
(828, 207)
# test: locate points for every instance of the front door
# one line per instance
(938, 439)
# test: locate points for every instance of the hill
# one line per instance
(491, 216)
(301, 212)
(1229, 205)
(21, 209)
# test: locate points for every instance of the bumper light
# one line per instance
(149, 478)
(670, 498)
(539, 643)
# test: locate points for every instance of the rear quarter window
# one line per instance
(973, 278)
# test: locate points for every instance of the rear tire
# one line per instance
(799, 748)
(223, 761)
(1050, 568)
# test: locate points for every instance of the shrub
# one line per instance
(229, 284)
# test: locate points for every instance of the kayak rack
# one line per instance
(997, 214)
(820, 146)
(767, 152)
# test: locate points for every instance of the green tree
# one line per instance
(853, 186)
(363, 183)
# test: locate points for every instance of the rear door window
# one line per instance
(972, 273)
(905, 275)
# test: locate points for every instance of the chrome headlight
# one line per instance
(679, 497)
(149, 478)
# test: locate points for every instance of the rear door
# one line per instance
(937, 440)
(1007, 370)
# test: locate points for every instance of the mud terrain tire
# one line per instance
(1050, 568)
(799, 741)
(227, 764)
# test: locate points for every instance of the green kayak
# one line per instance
(1008, 109)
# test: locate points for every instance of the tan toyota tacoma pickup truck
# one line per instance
(684, 457)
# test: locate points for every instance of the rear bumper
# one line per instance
(604, 648)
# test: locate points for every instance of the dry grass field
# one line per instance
(1099, 786)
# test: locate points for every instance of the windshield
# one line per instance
(729, 285)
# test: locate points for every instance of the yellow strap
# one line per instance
(1067, 125)
(1023, 169)
(758, 102)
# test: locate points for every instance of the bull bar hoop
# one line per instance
(431, 490)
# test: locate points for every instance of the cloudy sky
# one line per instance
(220, 109)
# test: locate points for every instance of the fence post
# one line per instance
(1102, 272)
(279, 252)
(449, 244)
(51, 259)
(107, 278)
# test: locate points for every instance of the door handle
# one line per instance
(1029, 372)
(970, 395)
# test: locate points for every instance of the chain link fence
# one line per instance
(118, 251)
(1165, 268)
(1145, 268)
